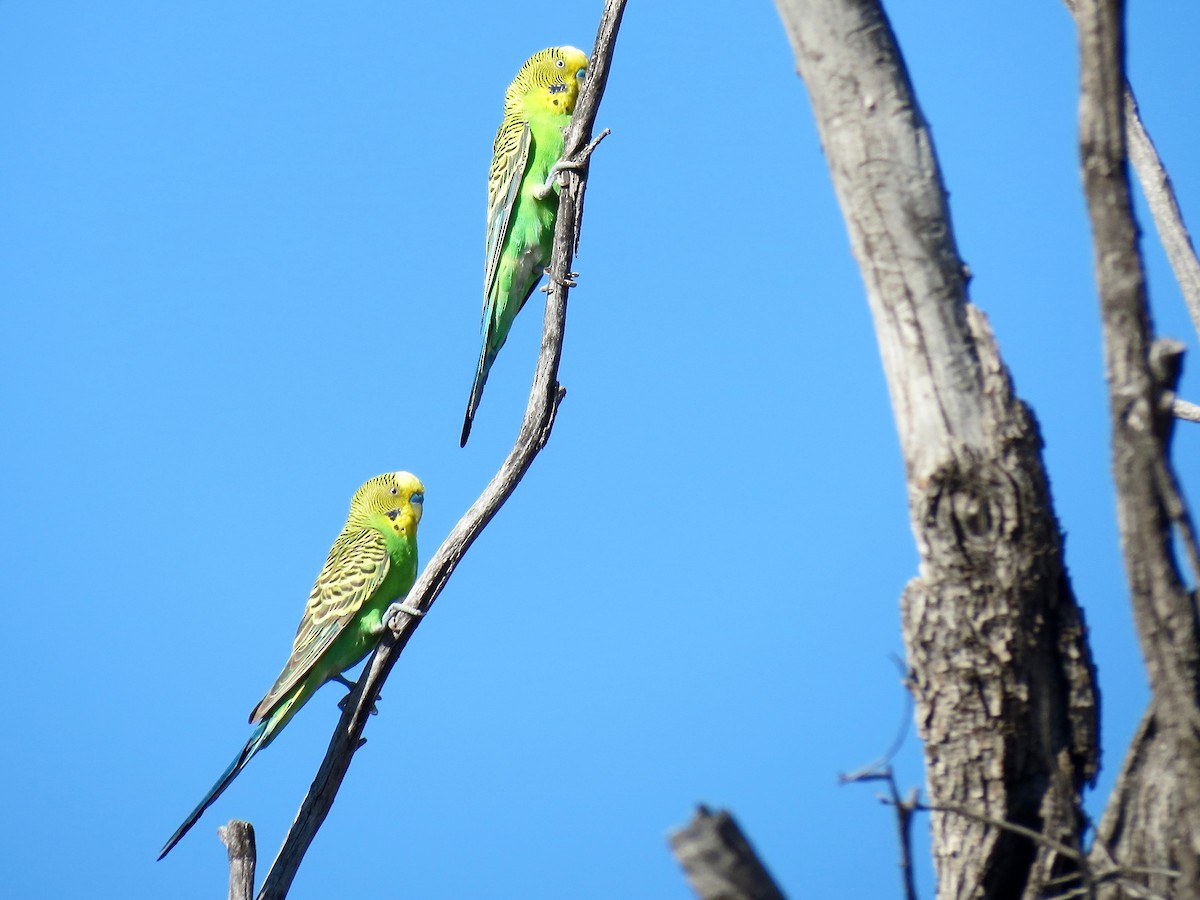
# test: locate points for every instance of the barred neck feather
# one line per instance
(548, 82)
(388, 495)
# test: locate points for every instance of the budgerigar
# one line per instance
(372, 562)
(523, 195)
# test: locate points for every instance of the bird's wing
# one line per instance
(509, 159)
(356, 567)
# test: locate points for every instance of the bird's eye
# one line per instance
(395, 490)
(418, 497)
(560, 63)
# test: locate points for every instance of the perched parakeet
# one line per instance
(372, 562)
(523, 195)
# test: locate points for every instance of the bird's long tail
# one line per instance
(486, 358)
(258, 740)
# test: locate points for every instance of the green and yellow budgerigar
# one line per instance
(372, 562)
(523, 195)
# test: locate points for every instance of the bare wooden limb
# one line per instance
(1163, 797)
(1164, 208)
(718, 860)
(238, 838)
(1160, 198)
(544, 399)
(1183, 409)
(1000, 668)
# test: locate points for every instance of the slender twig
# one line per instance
(544, 398)
(1164, 208)
(881, 770)
(905, 807)
(238, 838)
(883, 763)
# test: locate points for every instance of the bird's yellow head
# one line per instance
(394, 501)
(549, 81)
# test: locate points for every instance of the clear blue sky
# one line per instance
(240, 262)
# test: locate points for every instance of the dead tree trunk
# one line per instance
(999, 663)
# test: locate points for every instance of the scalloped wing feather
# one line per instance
(356, 567)
(510, 157)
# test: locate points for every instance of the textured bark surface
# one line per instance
(1164, 207)
(238, 838)
(997, 650)
(718, 860)
(1000, 667)
(1153, 817)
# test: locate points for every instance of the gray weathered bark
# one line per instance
(1001, 671)
(238, 838)
(1153, 816)
(1160, 198)
(718, 860)
(1164, 208)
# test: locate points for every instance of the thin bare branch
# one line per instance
(883, 763)
(904, 807)
(535, 431)
(1184, 409)
(881, 770)
(1164, 208)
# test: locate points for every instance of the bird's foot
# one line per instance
(387, 620)
(373, 711)
(349, 686)
(543, 190)
(408, 610)
(547, 187)
(569, 281)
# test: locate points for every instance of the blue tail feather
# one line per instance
(257, 742)
(481, 373)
